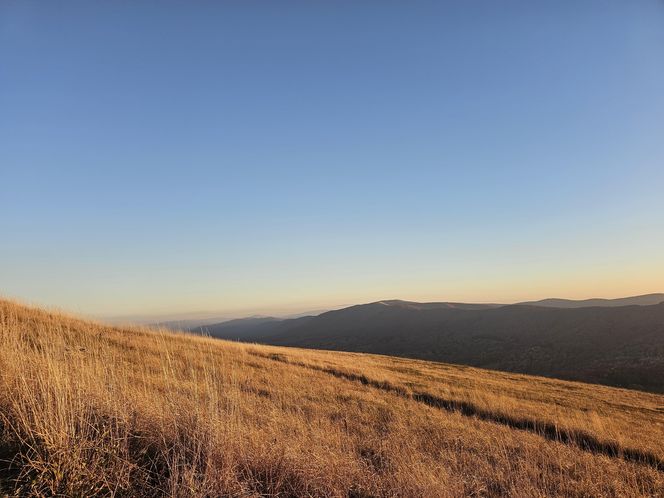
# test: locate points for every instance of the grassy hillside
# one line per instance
(90, 410)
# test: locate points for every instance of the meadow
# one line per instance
(93, 410)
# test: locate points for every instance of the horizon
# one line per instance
(294, 311)
(160, 160)
(290, 311)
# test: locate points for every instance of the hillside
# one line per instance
(93, 410)
(619, 346)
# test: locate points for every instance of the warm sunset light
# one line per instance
(197, 163)
(332, 249)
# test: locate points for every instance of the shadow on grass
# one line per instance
(9, 468)
(547, 430)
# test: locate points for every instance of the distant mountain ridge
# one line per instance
(644, 300)
(619, 345)
(435, 305)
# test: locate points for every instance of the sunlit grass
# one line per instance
(89, 410)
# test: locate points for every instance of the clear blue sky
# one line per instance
(262, 156)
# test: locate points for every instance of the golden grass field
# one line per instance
(92, 410)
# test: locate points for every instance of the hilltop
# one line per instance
(643, 300)
(93, 410)
(612, 344)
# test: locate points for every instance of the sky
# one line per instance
(270, 157)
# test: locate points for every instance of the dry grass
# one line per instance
(90, 410)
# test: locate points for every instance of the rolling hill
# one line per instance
(613, 345)
(93, 410)
(644, 300)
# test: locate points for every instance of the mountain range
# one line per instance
(614, 342)
(643, 300)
